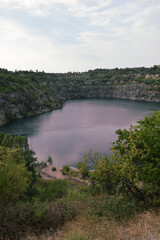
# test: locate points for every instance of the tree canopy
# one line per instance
(134, 164)
(14, 176)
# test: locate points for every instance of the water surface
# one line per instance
(67, 134)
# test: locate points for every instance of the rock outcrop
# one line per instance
(132, 92)
(10, 111)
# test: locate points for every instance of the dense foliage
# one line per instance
(24, 196)
(14, 177)
(134, 165)
(27, 81)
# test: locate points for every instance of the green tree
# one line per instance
(134, 164)
(65, 170)
(14, 177)
(83, 169)
(49, 160)
(139, 148)
(7, 141)
(28, 156)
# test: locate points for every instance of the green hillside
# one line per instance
(26, 93)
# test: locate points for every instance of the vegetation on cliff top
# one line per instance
(20, 81)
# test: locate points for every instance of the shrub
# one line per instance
(77, 194)
(24, 216)
(48, 104)
(133, 163)
(73, 173)
(9, 115)
(120, 207)
(63, 209)
(50, 190)
(116, 207)
(41, 165)
(83, 169)
(14, 177)
(54, 169)
(137, 159)
(24, 111)
(34, 217)
(65, 170)
(49, 160)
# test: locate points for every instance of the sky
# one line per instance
(78, 35)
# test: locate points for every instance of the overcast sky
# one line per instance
(78, 35)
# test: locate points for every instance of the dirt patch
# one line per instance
(48, 174)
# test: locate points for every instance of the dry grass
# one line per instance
(145, 226)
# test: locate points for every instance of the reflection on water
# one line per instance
(80, 125)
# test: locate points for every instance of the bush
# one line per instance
(65, 170)
(78, 194)
(116, 207)
(24, 216)
(48, 104)
(54, 169)
(133, 163)
(83, 169)
(120, 207)
(34, 217)
(50, 190)
(41, 165)
(73, 173)
(137, 157)
(63, 210)
(9, 115)
(24, 111)
(14, 176)
(49, 160)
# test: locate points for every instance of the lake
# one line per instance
(68, 133)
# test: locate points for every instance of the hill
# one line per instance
(27, 93)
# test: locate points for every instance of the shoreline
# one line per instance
(47, 174)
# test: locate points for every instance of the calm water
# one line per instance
(67, 134)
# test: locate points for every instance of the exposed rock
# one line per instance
(10, 110)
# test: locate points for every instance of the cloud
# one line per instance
(85, 8)
(78, 8)
(76, 35)
(19, 46)
(130, 36)
(21, 49)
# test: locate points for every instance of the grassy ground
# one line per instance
(80, 215)
(144, 226)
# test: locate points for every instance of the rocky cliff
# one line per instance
(132, 92)
(24, 94)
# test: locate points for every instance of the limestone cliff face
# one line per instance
(132, 92)
(13, 106)
(9, 111)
